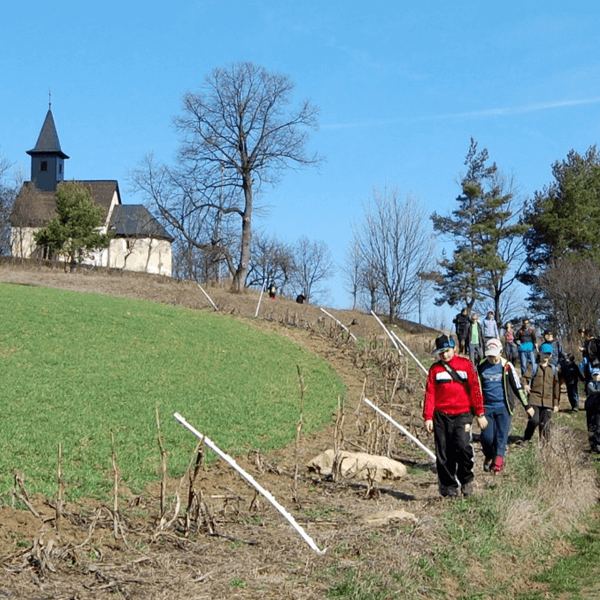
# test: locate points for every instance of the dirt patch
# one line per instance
(234, 544)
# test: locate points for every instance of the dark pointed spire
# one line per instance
(48, 142)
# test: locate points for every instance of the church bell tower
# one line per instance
(47, 158)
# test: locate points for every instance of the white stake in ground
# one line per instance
(208, 297)
(411, 354)
(286, 515)
(340, 324)
(388, 333)
(262, 289)
(404, 431)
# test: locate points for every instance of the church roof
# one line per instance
(136, 221)
(34, 207)
(48, 142)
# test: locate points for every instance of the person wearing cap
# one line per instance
(594, 385)
(452, 396)
(543, 392)
(496, 374)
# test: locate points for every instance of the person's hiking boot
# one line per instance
(487, 465)
(498, 462)
(449, 492)
(467, 489)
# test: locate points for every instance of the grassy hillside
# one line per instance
(76, 367)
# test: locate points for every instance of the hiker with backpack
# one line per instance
(496, 375)
(452, 396)
(543, 392)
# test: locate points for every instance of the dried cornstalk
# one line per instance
(298, 436)
(59, 500)
(163, 482)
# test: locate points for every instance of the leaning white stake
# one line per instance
(262, 289)
(388, 333)
(339, 323)
(287, 516)
(411, 354)
(402, 429)
(208, 297)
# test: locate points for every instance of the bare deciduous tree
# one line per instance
(395, 246)
(235, 135)
(312, 266)
(572, 287)
(270, 261)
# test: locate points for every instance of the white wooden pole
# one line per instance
(288, 517)
(339, 323)
(411, 354)
(404, 431)
(262, 289)
(209, 298)
(388, 333)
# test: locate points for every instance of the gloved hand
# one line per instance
(482, 421)
(429, 426)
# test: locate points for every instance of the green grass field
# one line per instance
(77, 366)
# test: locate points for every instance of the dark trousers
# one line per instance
(592, 414)
(454, 450)
(573, 393)
(542, 417)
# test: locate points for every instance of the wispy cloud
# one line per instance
(475, 114)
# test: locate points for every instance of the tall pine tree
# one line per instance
(488, 249)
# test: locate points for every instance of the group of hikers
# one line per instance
(486, 385)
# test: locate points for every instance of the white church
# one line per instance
(138, 243)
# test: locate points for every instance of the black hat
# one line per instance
(442, 343)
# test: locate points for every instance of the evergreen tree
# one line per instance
(487, 237)
(74, 230)
(564, 221)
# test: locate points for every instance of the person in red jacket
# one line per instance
(452, 396)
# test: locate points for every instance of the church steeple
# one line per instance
(47, 158)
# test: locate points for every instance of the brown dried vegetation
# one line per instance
(209, 535)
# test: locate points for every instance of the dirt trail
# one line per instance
(244, 548)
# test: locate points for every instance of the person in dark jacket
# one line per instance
(496, 375)
(461, 325)
(558, 356)
(571, 375)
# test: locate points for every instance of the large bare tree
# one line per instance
(395, 246)
(236, 134)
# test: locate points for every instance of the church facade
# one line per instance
(138, 242)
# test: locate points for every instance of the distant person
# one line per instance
(592, 409)
(510, 348)
(475, 341)
(461, 325)
(525, 339)
(571, 375)
(558, 356)
(300, 298)
(272, 291)
(452, 397)
(498, 377)
(544, 394)
(589, 353)
(490, 327)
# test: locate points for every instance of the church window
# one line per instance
(44, 165)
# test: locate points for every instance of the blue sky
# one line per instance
(402, 86)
